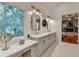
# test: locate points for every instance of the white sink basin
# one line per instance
(40, 34)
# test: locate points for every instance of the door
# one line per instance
(69, 28)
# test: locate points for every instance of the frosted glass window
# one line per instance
(11, 20)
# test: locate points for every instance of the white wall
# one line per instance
(64, 8)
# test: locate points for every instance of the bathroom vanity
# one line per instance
(17, 50)
(45, 40)
(33, 47)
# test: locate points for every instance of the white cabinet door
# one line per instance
(37, 50)
(40, 46)
(34, 51)
(52, 38)
(43, 44)
(46, 42)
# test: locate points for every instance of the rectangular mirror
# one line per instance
(35, 22)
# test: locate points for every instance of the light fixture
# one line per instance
(35, 9)
(49, 18)
(69, 19)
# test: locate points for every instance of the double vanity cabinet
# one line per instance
(45, 40)
(34, 47)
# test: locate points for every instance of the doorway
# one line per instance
(70, 28)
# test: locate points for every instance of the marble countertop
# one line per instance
(40, 35)
(16, 49)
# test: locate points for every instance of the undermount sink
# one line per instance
(11, 43)
(2, 46)
(38, 33)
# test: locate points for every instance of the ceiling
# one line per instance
(47, 8)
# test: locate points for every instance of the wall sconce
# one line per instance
(35, 9)
(48, 16)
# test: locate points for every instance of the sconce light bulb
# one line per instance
(34, 10)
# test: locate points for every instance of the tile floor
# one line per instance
(63, 50)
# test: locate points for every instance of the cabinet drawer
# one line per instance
(52, 38)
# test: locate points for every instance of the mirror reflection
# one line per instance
(35, 22)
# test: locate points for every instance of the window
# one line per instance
(11, 20)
